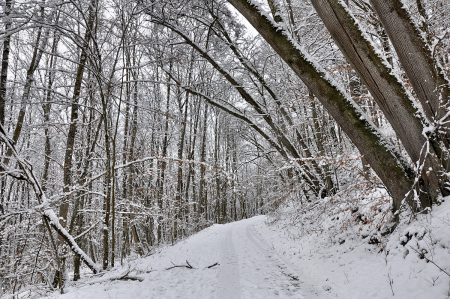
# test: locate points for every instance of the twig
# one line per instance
(391, 282)
(188, 266)
(213, 265)
(126, 276)
(431, 261)
(26, 169)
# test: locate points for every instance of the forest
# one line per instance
(128, 125)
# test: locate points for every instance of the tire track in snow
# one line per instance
(286, 267)
(228, 276)
(284, 278)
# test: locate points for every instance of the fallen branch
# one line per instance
(213, 265)
(26, 170)
(422, 255)
(188, 266)
(127, 276)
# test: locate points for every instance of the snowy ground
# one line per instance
(257, 260)
(248, 268)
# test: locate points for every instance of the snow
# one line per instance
(248, 268)
(54, 221)
(408, 263)
(47, 211)
(329, 78)
(264, 258)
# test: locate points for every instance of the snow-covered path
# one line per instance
(248, 268)
(283, 260)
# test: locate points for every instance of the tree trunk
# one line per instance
(46, 107)
(163, 163)
(395, 175)
(39, 46)
(5, 60)
(179, 203)
(202, 193)
(384, 87)
(428, 81)
(218, 182)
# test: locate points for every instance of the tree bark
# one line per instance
(427, 79)
(395, 175)
(162, 164)
(40, 44)
(384, 87)
(202, 193)
(179, 203)
(70, 142)
(5, 60)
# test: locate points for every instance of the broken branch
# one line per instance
(188, 266)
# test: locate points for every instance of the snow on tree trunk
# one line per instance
(379, 154)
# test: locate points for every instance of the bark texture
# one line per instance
(361, 132)
(429, 83)
(386, 90)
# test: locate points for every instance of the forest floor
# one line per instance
(247, 267)
(263, 258)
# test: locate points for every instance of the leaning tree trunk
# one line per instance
(428, 81)
(386, 90)
(395, 175)
(49, 215)
(426, 77)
